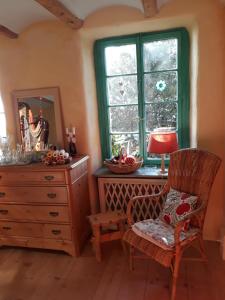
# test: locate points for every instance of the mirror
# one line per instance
(39, 119)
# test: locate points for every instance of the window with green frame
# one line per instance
(142, 84)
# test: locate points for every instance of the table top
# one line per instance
(144, 172)
(107, 218)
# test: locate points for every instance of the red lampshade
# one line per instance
(162, 142)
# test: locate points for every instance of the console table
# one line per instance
(115, 190)
(45, 206)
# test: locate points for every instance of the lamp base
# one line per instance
(162, 170)
(159, 172)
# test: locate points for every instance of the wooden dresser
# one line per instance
(44, 206)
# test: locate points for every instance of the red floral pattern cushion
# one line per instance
(177, 206)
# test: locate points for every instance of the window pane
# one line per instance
(122, 90)
(160, 86)
(1, 106)
(161, 115)
(160, 55)
(121, 60)
(123, 119)
(129, 141)
(2, 125)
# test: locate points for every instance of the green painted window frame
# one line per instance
(182, 36)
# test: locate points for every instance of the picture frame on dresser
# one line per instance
(39, 109)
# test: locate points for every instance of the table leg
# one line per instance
(97, 243)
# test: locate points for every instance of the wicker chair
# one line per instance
(191, 171)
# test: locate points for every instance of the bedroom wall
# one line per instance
(50, 54)
(45, 55)
(204, 20)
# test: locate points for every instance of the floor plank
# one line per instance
(133, 283)
(29, 274)
(108, 287)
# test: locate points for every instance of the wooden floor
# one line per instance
(46, 275)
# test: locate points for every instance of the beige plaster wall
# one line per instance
(205, 21)
(45, 55)
(50, 54)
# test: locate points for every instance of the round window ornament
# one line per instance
(160, 85)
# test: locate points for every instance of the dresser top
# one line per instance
(42, 167)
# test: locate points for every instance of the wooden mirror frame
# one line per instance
(41, 92)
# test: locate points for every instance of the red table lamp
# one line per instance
(162, 142)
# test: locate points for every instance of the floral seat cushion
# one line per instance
(160, 233)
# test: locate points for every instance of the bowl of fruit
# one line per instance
(123, 164)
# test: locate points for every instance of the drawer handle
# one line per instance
(51, 195)
(53, 214)
(6, 228)
(2, 194)
(4, 211)
(49, 177)
(56, 231)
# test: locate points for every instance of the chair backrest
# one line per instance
(193, 171)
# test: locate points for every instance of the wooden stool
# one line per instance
(101, 224)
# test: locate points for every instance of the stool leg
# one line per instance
(97, 243)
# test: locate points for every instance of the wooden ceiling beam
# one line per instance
(61, 12)
(9, 33)
(150, 8)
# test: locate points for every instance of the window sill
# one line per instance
(144, 172)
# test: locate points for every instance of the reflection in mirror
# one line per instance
(39, 118)
(37, 122)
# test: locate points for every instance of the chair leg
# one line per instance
(124, 246)
(121, 226)
(97, 243)
(131, 258)
(175, 275)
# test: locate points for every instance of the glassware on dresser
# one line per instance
(5, 150)
(11, 156)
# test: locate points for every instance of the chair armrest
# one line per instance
(196, 214)
(134, 200)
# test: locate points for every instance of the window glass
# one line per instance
(122, 90)
(2, 125)
(160, 86)
(160, 55)
(129, 141)
(2, 119)
(120, 60)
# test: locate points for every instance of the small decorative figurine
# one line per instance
(71, 138)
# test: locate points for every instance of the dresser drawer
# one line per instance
(35, 178)
(35, 230)
(55, 231)
(33, 194)
(34, 213)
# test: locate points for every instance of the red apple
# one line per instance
(130, 160)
